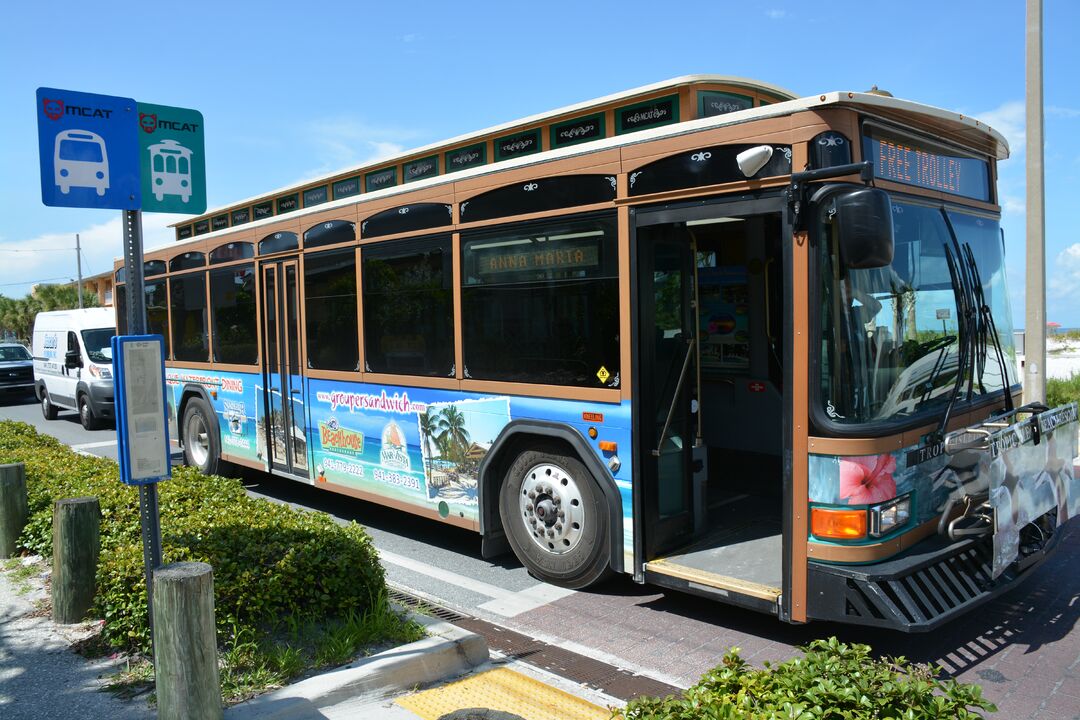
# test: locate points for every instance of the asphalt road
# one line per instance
(1023, 648)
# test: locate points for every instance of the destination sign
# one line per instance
(572, 258)
(905, 161)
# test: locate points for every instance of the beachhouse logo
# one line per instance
(394, 453)
(339, 440)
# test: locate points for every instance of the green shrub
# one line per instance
(1059, 392)
(274, 565)
(832, 681)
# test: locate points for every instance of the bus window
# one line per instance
(541, 303)
(188, 299)
(330, 310)
(408, 307)
(232, 307)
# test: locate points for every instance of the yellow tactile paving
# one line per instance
(505, 690)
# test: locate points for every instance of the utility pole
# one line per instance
(1035, 305)
(78, 265)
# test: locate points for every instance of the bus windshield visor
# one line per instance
(891, 336)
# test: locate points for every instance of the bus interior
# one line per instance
(711, 301)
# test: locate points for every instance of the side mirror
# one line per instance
(864, 227)
(72, 359)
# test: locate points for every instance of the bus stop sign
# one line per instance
(172, 159)
(88, 149)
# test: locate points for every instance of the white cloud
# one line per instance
(1008, 119)
(776, 14)
(1063, 283)
(50, 257)
(345, 142)
(1064, 112)
(411, 37)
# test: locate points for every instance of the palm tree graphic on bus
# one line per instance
(170, 170)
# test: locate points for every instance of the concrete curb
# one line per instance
(447, 651)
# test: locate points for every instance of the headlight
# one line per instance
(100, 372)
(888, 516)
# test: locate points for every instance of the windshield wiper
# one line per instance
(988, 327)
(963, 322)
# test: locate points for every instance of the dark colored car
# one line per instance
(16, 370)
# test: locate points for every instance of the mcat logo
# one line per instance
(54, 109)
(148, 122)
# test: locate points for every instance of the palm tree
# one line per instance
(452, 427)
(428, 428)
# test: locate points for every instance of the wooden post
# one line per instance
(76, 546)
(13, 508)
(185, 642)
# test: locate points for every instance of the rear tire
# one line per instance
(555, 518)
(202, 444)
(87, 418)
(47, 408)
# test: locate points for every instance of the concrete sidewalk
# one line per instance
(450, 670)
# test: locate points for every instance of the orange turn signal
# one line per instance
(838, 524)
(609, 445)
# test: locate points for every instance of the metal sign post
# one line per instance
(136, 322)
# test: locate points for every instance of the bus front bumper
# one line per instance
(920, 589)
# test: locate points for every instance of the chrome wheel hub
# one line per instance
(197, 440)
(551, 508)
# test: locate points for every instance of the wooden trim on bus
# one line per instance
(625, 327)
(459, 331)
(800, 414)
(430, 513)
(898, 441)
(729, 188)
(533, 217)
(207, 318)
(602, 162)
(237, 460)
(360, 359)
(936, 195)
(193, 365)
(427, 381)
(168, 315)
(874, 551)
(556, 392)
(342, 375)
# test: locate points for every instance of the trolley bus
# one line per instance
(720, 338)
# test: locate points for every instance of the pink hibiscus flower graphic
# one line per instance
(868, 479)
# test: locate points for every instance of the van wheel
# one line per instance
(47, 408)
(202, 446)
(555, 518)
(86, 414)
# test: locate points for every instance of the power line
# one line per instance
(36, 282)
(67, 249)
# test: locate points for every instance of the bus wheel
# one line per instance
(555, 518)
(47, 408)
(202, 446)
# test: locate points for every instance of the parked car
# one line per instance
(73, 363)
(16, 370)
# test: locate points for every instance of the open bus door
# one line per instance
(709, 400)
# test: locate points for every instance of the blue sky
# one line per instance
(290, 90)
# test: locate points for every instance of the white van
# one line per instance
(73, 363)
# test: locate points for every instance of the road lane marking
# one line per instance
(506, 603)
(88, 446)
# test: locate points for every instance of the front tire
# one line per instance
(555, 518)
(87, 418)
(202, 444)
(47, 408)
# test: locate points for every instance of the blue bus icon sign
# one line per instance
(88, 150)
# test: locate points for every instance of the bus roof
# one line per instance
(946, 125)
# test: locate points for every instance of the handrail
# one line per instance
(675, 397)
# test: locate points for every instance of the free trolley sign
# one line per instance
(141, 423)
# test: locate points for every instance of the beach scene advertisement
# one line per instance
(413, 445)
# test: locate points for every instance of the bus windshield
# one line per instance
(891, 339)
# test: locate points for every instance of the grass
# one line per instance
(251, 665)
(1059, 392)
(21, 573)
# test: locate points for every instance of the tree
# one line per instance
(428, 427)
(451, 424)
(17, 314)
